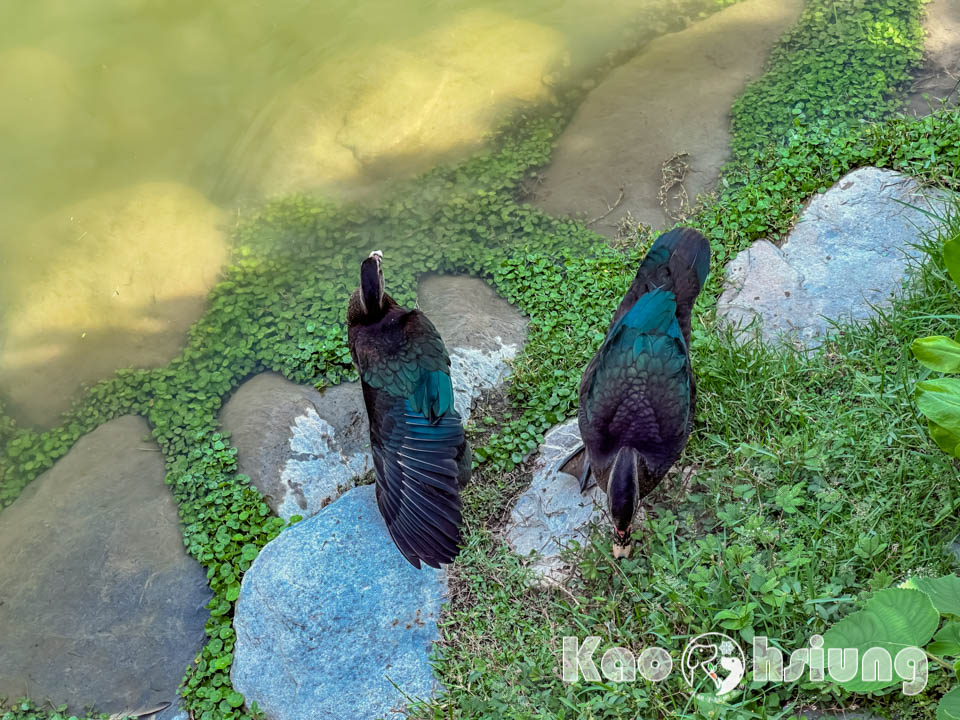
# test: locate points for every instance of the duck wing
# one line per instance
(679, 261)
(636, 391)
(417, 437)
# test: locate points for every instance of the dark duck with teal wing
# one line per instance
(420, 452)
(637, 395)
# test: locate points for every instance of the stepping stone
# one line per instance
(99, 602)
(612, 153)
(552, 511)
(482, 332)
(380, 111)
(849, 253)
(303, 448)
(331, 616)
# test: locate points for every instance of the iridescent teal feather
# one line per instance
(420, 453)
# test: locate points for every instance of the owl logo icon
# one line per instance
(717, 657)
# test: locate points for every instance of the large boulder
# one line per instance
(100, 603)
(848, 255)
(552, 512)
(332, 622)
(303, 448)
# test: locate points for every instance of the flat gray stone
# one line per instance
(330, 616)
(301, 448)
(552, 511)
(937, 79)
(482, 332)
(611, 154)
(849, 253)
(99, 602)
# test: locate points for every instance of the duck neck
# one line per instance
(371, 292)
(623, 487)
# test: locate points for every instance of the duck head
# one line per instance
(623, 497)
(371, 285)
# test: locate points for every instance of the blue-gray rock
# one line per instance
(817, 714)
(331, 616)
(99, 602)
(849, 253)
(552, 511)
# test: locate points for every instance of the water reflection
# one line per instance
(132, 130)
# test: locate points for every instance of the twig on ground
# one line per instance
(672, 173)
(610, 209)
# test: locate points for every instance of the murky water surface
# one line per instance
(131, 131)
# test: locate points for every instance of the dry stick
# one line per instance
(673, 171)
(561, 586)
(951, 76)
(610, 209)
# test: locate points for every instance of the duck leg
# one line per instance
(577, 464)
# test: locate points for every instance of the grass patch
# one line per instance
(816, 484)
(843, 63)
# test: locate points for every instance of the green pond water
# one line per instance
(132, 132)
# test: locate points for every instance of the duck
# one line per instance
(637, 395)
(420, 453)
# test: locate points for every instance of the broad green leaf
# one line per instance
(949, 707)
(939, 400)
(944, 592)
(949, 442)
(951, 256)
(938, 352)
(946, 643)
(892, 619)
(249, 552)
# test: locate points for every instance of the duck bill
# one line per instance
(621, 542)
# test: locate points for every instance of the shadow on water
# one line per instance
(46, 373)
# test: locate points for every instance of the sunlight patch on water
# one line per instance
(396, 109)
(130, 265)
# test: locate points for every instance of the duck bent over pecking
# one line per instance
(638, 394)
